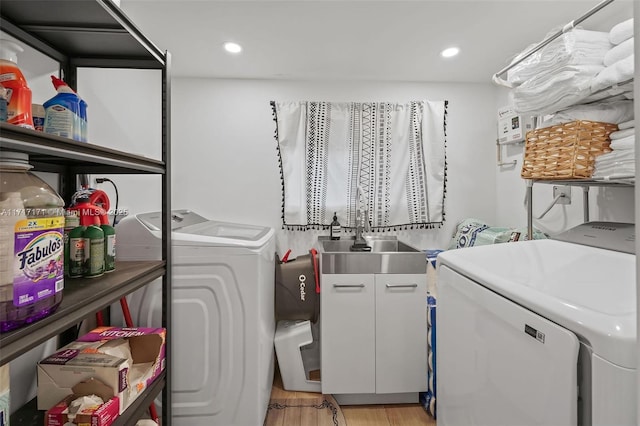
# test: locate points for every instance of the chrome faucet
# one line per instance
(362, 224)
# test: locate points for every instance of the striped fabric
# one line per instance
(395, 154)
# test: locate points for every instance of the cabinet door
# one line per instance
(401, 333)
(347, 334)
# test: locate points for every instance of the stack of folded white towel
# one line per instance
(614, 111)
(619, 163)
(618, 61)
(560, 74)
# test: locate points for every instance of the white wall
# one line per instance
(133, 125)
(224, 158)
(225, 162)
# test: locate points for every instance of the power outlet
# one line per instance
(563, 190)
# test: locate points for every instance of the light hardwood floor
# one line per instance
(366, 415)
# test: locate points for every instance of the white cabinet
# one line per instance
(401, 333)
(373, 333)
(347, 333)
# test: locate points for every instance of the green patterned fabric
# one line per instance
(474, 232)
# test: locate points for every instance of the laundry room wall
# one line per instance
(224, 158)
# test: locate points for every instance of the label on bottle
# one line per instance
(59, 121)
(8, 76)
(110, 253)
(94, 263)
(39, 259)
(335, 231)
(76, 257)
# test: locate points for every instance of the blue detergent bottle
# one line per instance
(64, 113)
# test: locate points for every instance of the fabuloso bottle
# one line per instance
(62, 112)
(31, 244)
(11, 78)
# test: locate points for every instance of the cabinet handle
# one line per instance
(348, 285)
(402, 285)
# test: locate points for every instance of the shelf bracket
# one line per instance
(529, 198)
(499, 157)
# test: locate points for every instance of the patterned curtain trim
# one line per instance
(393, 228)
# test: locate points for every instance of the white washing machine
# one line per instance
(539, 332)
(222, 314)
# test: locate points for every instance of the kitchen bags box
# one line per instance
(104, 415)
(104, 354)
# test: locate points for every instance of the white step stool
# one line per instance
(297, 355)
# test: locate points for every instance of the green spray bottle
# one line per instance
(93, 251)
(71, 221)
(76, 252)
(109, 247)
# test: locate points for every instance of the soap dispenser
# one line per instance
(335, 227)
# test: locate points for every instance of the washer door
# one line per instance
(498, 363)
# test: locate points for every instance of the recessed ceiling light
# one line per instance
(232, 47)
(450, 52)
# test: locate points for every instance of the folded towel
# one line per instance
(621, 134)
(627, 172)
(626, 124)
(619, 52)
(619, 171)
(551, 92)
(624, 157)
(621, 32)
(605, 164)
(616, 73)
(576, 47)
(616, 155)
(627, 169)
(605, 111)
(625, 143)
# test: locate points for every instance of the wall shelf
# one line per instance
(29, 415)
(82, 157)
(82, 297)
(585, 184)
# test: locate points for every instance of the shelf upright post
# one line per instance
(529, 197)
(585, 203)
(166, 233)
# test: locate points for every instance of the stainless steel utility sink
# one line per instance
(388, 255)
(377, 245)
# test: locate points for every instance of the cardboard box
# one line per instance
(512, 127)
(127, 376)
(102, 415)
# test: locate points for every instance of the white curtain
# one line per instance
(395, 154)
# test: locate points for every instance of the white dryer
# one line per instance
(539, 332)
(222, 314)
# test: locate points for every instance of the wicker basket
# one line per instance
(565, 151)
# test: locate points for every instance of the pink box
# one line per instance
(102, 415)
(85, 358)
